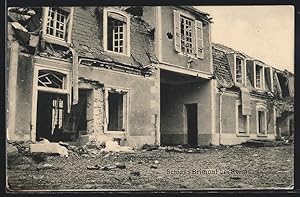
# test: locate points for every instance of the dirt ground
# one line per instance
(226, 167)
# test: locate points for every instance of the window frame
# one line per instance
(194, 33)
(262, 75)
(247, 133)
(243, 69)
(53, 39)
(126, 96)
(105, 31)
(261, 107)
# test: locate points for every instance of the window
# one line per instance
(116, 32)
(242, 121)
(51, 79)
(261, 122)
(188, 35)
(239, 70)
(259, 76)
(116, 110)
(261, 119)
(186, 31)
(57, 24)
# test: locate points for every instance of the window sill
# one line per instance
(190, 56)
(261, 135)
(242, 135)
(260, 89)
(238, 84)
(116, 53)
(54, 40)
(115, 132)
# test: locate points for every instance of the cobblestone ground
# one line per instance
(227, 167)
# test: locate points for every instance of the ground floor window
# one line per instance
(242, 121)
(117, 110)
(262, 122)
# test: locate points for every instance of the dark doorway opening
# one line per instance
(192, 124)
(51, 111)
(115, 106)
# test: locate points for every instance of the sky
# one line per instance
(265, 33)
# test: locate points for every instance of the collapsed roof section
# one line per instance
(87, 38)
(25, 25)
(283, 81)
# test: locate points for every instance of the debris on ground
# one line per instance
(264, 143)
(112, 146)
(149, 147)
(135, 173)
(142, 170)
(147, 186)
(243, 185)
(39, 157)
(48, 147)
(95, 167)
(154, 166)
(11, 150)
(120, 165)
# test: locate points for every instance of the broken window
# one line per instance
(116, 32)
(57, 113)
(51, 79)
(259, 76)
(242, 121)
(186, 32)
(117, 111)
(268, 77)
(283, 81)
(239, 70)
(188, 35)
(262, 122)
(57, 24)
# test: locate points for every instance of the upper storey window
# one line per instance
(58, 24)
(186, 32)
(239, 70)
(259, 76)
(188, 35)
(116, 35)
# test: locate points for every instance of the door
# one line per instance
(51, 110)
(192, 124)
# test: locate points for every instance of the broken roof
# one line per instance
(221, 69)
(89, 43)
(197, 12)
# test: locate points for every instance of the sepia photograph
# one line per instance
(150, 98)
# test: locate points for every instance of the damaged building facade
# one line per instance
(81, 74)
(137, 75)
(250, 90)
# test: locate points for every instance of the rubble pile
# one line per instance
(265, 143)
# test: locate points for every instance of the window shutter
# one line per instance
(199, 39)
(177, 39)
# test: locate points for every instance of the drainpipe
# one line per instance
(74, 76)
(220, 114)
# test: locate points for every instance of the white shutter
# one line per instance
(177, 41)
(199, 39)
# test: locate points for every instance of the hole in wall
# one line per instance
(170, 35)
